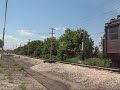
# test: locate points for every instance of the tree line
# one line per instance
(65, 47)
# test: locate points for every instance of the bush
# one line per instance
(46, 56)
(98, 62)
(55, 58)
(72, 60)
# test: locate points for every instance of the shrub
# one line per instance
(98, 62)
(46, 56)
(72, 60)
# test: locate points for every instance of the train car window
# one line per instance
(113, 33)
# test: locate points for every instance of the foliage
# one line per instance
(70, 44)
(23, 86)
(98, 62)
(46, 56)
(72, 60)
(21, 50)
(47, 46)
(65, 47)
(96, 52)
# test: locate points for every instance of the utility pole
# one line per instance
(4, 27)
(51, 49)
(28, 47)
(4, 24)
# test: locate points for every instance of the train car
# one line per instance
(111, 41)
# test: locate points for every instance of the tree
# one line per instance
(38, 50)
(32, 46)
(70, 44)
(47, 47)
(96, 52)
(21, 50)
(66, 46)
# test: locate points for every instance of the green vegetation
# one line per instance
(7, 69)
(23, 87)
(8, 76)
(98, 62)
(65, 48)
(72, 60)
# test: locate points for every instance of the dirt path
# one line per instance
(46, 81)
(13, 77)
(49, 83)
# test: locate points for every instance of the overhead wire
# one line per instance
(93, 18)
(101, 15)
(97, 33)
(103, 4)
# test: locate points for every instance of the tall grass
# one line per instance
(92, 61)
(72, 60)
(98, 62)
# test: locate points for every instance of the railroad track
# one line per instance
(80, 64)
(96, 67)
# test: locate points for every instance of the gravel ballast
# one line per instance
(84, 76)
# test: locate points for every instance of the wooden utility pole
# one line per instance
(51, 49)
(4, 27)
(4, 23)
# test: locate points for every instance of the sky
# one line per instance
(32, 19)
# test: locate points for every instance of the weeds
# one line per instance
(72, 60)
(23, 87)
(92, 61)
(98, 62)
(8, 76)
(21, 69)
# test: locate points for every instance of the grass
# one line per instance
(21, 68)
(72, 60)
(8, 76)
(1, 68)
(92, 61)
(98, 62)
(7, 68)
(23, 87)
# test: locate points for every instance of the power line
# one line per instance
(101, 15)
(93, 18)
(101, 4)
(42, 33)
(97, 33)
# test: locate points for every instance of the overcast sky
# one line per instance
(27, 18)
